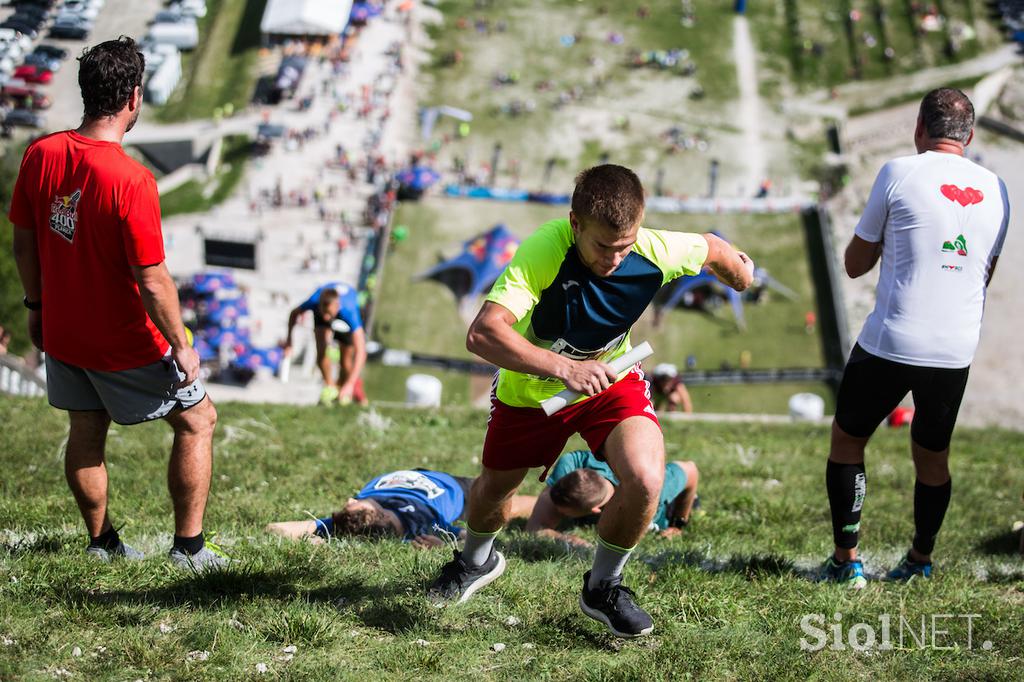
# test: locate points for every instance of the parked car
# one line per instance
(190, 8)
(33, 8)
(21, 27)
(53, 51)
(9, 35)
(32, 14)
(41, 60)
(70, 31)
(33, 74)
(73, 19)
(171, 17)
(12, 50)
(65, 17)
(25, 96)
(81, 9)
(25, 117)
(33, 20)
(182, 36)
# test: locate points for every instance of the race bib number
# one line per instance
(409, 480)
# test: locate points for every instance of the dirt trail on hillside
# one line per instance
(750, 113)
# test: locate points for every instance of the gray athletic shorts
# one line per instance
(129, 396)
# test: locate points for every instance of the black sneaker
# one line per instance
(458, 582)
(612, 603)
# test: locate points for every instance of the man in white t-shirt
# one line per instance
(937, 220)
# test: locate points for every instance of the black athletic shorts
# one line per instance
(344, 338)
(872, 387)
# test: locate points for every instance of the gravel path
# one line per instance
(749, 114)
(993, 393)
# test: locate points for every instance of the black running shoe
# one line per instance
(458, 582)
(612, 603)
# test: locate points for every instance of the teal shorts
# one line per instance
(675, 482)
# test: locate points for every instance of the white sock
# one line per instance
(477, 548)
(609, 560)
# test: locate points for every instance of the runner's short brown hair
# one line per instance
(609, 194)
(367, 522)
(327, 297)
(581, 490)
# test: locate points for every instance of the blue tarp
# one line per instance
(502, 194)
(418, 178)
(209, 282)
(706, 280)
(481, 260)
(220, 307)
(683, 285)
(363, 12)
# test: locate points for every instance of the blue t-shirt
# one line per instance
(348, 297)
(422, 499)
(675, 480)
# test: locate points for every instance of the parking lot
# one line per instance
(116, 18)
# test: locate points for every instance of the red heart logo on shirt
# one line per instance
(964, 197)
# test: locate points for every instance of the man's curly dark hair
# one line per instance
(108, 74)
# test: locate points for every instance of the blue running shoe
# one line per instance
(908, 568)
(849, 573)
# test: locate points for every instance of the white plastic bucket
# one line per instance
(423, 390)
(806, 407)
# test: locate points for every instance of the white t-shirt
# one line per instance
(941, 219)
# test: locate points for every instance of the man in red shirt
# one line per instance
(103, 307)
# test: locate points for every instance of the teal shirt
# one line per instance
(675, 480)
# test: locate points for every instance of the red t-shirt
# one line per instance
(95, 212)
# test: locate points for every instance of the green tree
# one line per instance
(12, 314)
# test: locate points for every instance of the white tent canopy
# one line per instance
(305, 17)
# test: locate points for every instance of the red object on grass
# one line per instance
(901, 416)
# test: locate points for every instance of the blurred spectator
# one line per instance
(670, 394)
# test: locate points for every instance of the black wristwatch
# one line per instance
(32, 305)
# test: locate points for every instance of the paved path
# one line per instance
(297, 250)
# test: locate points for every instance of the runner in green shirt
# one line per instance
(560, 311)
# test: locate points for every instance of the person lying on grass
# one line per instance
(419, 506)
(580, 484)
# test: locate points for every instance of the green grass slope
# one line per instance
(727, 597)
(222, 70)
(422, 315)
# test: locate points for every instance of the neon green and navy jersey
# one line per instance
(675, 481)
(561, 306)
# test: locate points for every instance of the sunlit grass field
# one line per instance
(727, 597)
